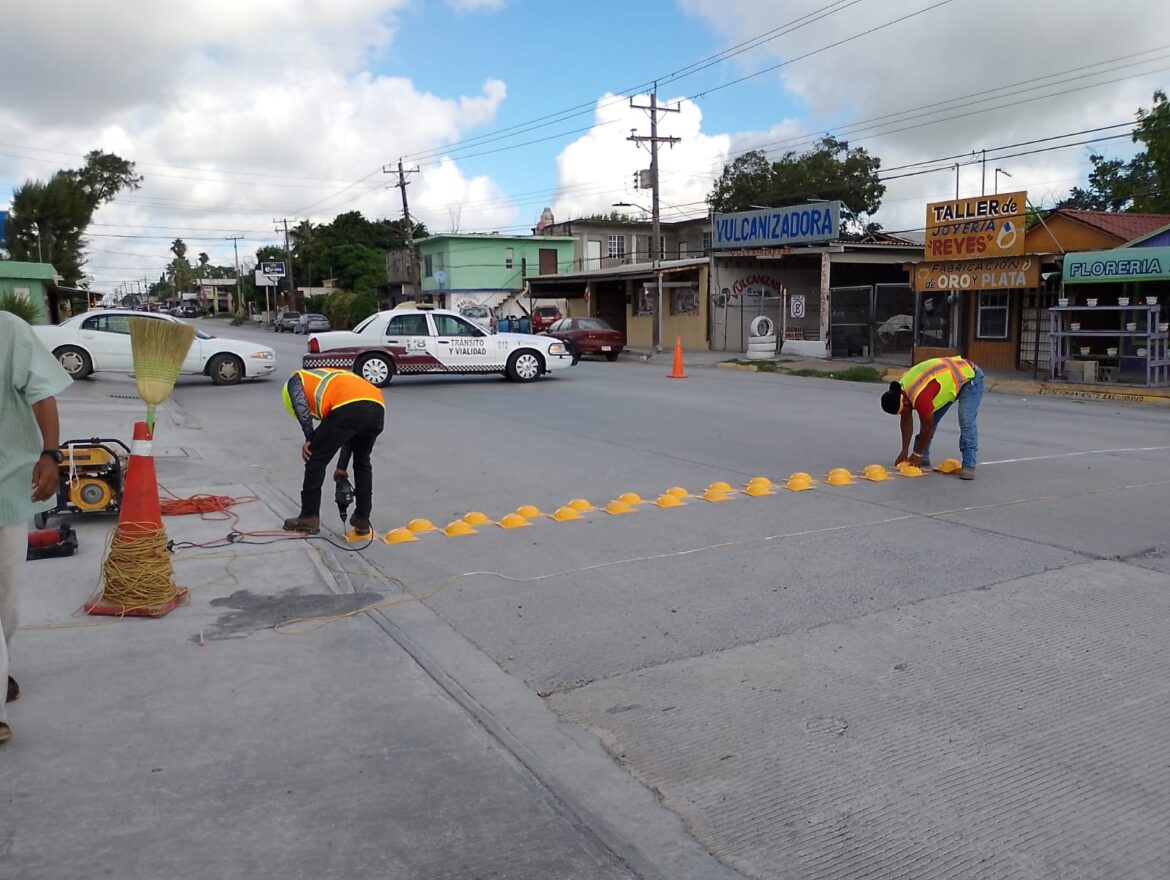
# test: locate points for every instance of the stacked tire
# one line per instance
(761, 339)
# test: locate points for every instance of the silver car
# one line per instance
(312, 324)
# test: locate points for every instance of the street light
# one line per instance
(998, 172)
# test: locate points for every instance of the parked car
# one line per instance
(481, 315)
(307, 324)
(411, 340)
(97, 342)
(543, 317)
(286, 322)
(190, 310)
(588, 336)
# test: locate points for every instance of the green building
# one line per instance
(29, 280)
(488, 269)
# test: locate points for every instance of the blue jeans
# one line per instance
(969, 398)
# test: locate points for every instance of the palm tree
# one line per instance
(179, 249)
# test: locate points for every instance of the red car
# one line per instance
(544, 317)
(588, 336)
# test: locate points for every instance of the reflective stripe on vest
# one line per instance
(321, 402)
(948, 372)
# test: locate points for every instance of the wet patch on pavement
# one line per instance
(253, 611)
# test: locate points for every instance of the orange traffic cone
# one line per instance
(677, 372)
(137, 577)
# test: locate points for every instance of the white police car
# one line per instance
(412, 340)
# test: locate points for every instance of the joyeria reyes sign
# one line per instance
(975, 229)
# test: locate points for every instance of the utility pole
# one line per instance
(292, 283)
(411, 255)
(983, 188)
(234, 239)
(656, 230)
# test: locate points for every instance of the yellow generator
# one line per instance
(91, 477)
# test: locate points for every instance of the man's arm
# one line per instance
(296, 393)
(906, 420)
(925, 433)
(46, 476)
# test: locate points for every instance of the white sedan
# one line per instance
(410, 341)
(99, 342)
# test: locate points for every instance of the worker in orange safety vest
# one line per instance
(930, 389)
(351, 413)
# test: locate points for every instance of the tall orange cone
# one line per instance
(137, 577)
(677, 372)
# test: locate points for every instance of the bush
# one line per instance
(363, 305)
(19, 305)
(239, 321)
(337, 309)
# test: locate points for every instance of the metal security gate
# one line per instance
(872, 322)
(1035, 344)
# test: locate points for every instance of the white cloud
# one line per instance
(235, 114)
(956, 50)
(465, 7)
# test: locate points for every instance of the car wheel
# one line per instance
(74, 361)
(226, 369)
(524, 366)
(377, 369)
(611, 356)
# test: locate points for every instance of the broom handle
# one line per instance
(150, 418)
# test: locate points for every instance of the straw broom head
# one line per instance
(159, 348)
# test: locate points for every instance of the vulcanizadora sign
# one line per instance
(776, 227)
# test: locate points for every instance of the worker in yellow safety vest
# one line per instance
(351, 413)
(930, 389)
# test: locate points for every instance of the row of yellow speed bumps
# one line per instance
(673, 497)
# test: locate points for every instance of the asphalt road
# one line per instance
(919, 677)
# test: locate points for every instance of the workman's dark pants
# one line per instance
(356, 425)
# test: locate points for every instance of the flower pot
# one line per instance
(1084, 349)
(1164, 326)
(1131, 326)
(1062, 301)
(1091, 302)
(1141, 352)
(1123, 300)
(1112, 352)
(1151, 300)
(1074, 327)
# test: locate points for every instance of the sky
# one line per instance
(242, 115)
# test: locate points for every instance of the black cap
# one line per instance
(892, 399)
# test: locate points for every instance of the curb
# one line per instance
(1061, 389)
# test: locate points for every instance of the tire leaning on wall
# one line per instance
(762, 325)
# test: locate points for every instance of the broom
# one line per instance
(159, 349)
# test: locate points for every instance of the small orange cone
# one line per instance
(137, 577)
(677, 372)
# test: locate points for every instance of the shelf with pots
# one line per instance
(1084, 347)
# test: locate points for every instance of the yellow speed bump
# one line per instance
(677, 492)
(475, 518)
(401, 536)
(669, 500)
(876, 473)
(354, 538)
(458, 529)
(580, 505)
(908, 470)
(421, 526)
(949, 466)
(617, 507)
(630, 498)
(565, 514)
(719, 486)
(513, 521)
(716, 495)
(839, 477)
(760, 481)
(799, 482)
(528, 511)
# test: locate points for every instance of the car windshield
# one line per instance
(315, 317)
(592, 324)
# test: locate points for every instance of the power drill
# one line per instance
(343, 496)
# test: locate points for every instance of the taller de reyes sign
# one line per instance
(970, 229)
(777, 227)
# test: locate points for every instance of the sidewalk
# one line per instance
(208, 744)
(1010, 383)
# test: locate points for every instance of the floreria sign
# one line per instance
(777, 227)
(1120, 264)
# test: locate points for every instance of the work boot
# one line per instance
(13, 690)
(310, 525)
(967, 473)
(361, 525)
(5, 732)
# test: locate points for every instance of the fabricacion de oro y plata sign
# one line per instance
(1004, 273)
(978, 228)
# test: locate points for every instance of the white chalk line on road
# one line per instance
(1074, 454)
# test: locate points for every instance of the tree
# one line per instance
(828, 171)
(48, 219)
(1143, 183)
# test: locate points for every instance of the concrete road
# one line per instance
(910, 678)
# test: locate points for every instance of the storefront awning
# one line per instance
(1118, 265)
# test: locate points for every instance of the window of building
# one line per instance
(682, 250)
(684, 302)
(617, 246)
(509, 258)
(428, 266)
(706, 243)
(991, 318)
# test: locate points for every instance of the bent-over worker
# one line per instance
(929, 389)
(352, 415)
